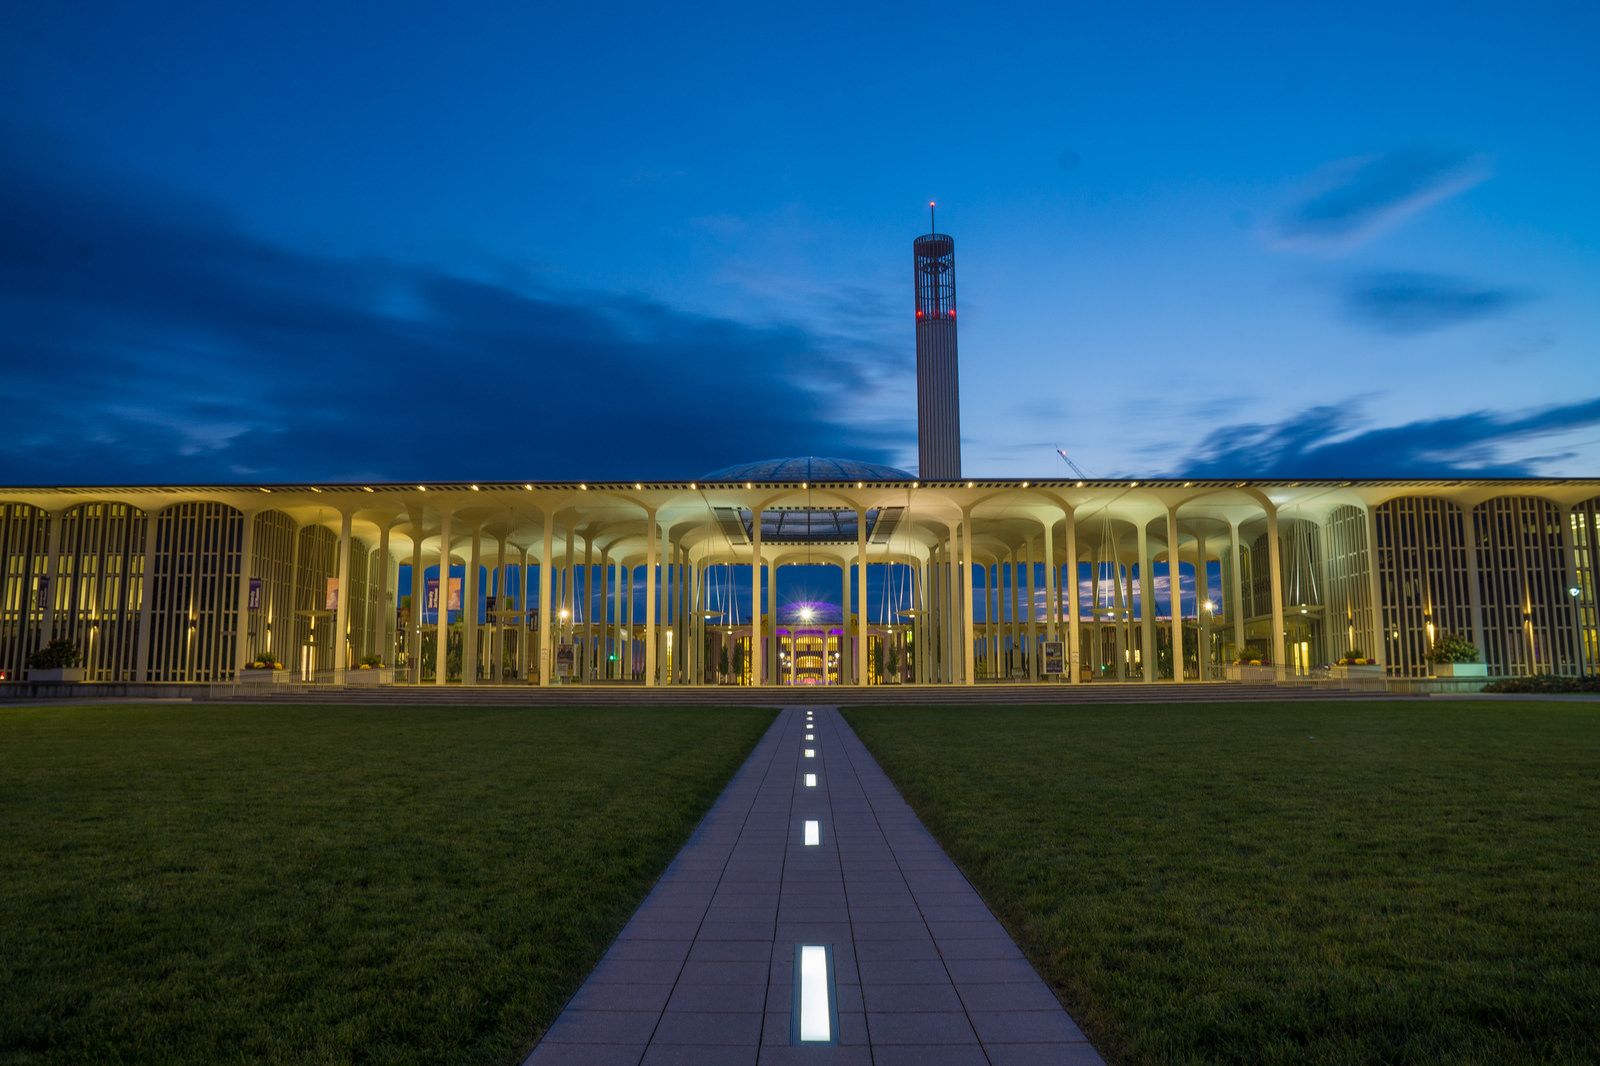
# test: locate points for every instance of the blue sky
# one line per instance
(548, 241)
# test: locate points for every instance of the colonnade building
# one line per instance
(939, 582)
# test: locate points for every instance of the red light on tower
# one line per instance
(919, 314)
(952, 313)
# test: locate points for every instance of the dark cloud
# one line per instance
(151, 339)
(1402, 303)
(1353, 200)
(1330, 441)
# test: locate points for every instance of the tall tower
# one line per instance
(933, 259)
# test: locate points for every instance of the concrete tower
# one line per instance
(933, 259)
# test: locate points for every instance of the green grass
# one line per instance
(1301, 882)
(316, 885)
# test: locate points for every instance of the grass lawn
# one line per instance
(315, 885)
(1298, 882)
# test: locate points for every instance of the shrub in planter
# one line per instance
(371, 662)
(1356, 657)
(59, 654)
(1453, 648)
(1544, 683)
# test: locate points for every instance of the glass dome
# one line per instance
(808, 468)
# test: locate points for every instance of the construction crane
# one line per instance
(1074, 467)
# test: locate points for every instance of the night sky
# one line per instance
(285, 242)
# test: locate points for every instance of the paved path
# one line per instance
(703, 973)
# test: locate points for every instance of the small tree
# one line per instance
(722, 664)
(894, 662)
(877, 660)
(1453, 648)
(738, 663)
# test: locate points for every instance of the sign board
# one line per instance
(564, 659)
(332, 600)
(1054, 658)
(255, 594)
(44, 590)
(490, 604)
(432, 601)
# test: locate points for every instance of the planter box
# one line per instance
(1366, 672)
(263, 677)
(1460, 669)
(1246, 672)
(376, 675)
(60, 673)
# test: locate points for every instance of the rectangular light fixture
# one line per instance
(814, 1014)
(810, 737)
(811, 753)
(813, 833)
(811, 780)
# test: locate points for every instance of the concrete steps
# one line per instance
(625, 695)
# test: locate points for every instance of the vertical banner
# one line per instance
(431, 603)
(1054, 658)
(255, 594)
(455, 594)
(489, 606)
(332, 601)
(564, 659)
(44, 590)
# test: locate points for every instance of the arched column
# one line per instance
(1074, 608)
(1175, 589)
(546, 658)
(650, 564)
(441, 653)
(862, 674)
(757, 646)
(1275, 575)
(1147, 605)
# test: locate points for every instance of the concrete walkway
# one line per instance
(703, 973)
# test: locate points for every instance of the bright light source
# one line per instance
(813, 834)
(810, 737)
(1210, 605)
(806, 614)
(811, 753)
(815, 1017)
(811, 780)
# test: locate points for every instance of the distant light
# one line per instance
(806, 614)
(919, 314)
(810, 737)
(813, 834)
(529, 486)
(1210, 605)
(637, 485)
(422, 488)
(475, 488)
(1573, 590)
(811, 753)
(367, 488)
(952, 312)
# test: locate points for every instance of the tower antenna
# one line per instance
(931, 227)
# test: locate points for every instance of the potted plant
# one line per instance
(1355, 664)
(370, 671)
(59, 660)
(263, 669)
(1253, 663)
(1453, 655)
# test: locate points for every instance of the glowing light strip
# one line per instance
(813, 834)
(811, 753)
(813, 1011)
(811, 780)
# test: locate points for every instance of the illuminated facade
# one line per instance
(651, 581)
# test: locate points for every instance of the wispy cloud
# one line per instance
(156, 340)
(1332, 440)
(1402, 303)
(1354, 200)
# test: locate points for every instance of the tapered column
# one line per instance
(1377, 646)
(968, 636)
(1051, 628)
(847, 661)
(1236, 588)
(991, 617)
(1012, 659)
(1175, 585)
(441, 643)
(1275, 573)
(1074, 608)
(1032, 609)
(341, 606)
(774, 672)
(469, 611)
(604, 640)
(547, 659)
(382, 640)
(1202, 616)
(862, 673)
(650, 550)
(756, 645)
(241, 636)
(418, 598)
(587, 670)
(1147, 604)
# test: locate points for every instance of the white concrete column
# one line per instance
(469, 611)
(418, 596)
(546, 658)
(241, 637)
(1202, 618)
(774, 672)
(969, 637)
(586, 671)
(524, 610)
(1275, 571)
(1147, 604)
(757, 647)
(1012, 573)
(341, 612)
(1032, 609)
(847, 660)
(52, 575)
(1074, 608)
(650, 562)
(1378, 644)
(1050, 577)
(604, 640)
(441, 654)
(1236, 587)
(382, 641)
(863, 674)
(1175, 584)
